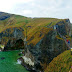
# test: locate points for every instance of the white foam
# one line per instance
(19, 61)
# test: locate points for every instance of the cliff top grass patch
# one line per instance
(13, 21)
(61, 63)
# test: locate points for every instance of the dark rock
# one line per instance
(14, 37)
(30, 68)
(45, 50)
(4, 17)
(2, 58)
(19, 54)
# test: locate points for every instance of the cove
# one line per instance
(8, 62)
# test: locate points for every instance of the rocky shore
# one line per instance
(29, 63)
(27, 66)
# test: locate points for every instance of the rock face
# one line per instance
(64, 27)
(49, 46)
(3, 17)
(12, 38)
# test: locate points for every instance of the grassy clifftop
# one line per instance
(36, 27)
(62, 63)
(11, 20)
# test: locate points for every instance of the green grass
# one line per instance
(61, 63)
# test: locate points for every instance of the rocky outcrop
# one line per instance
(64, 27)
(12, 38)
(4, 16)
(29, 62)
(48, 47)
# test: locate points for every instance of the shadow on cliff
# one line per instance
(14, 45)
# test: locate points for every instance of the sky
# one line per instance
(61, 9)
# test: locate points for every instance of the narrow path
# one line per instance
(65, 41)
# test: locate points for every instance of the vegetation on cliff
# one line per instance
(36, 27)
(61, 63)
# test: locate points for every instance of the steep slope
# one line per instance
(61, 63)
(12, 29)
(43, 39)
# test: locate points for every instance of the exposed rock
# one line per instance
(49, 47)
(28, 61)
(64, 27)
(2, 58)
(12, 38)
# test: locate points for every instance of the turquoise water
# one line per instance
(9, 64)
